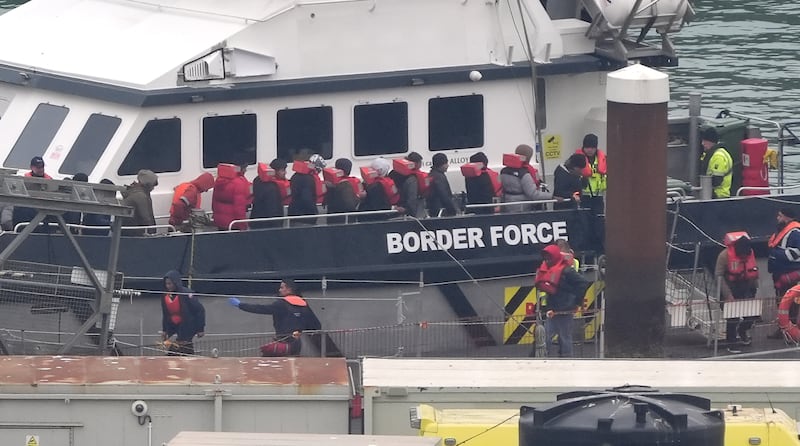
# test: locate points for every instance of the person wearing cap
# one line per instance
(270, 193)
(440, 198)
(594, 174)
(137, 196)
(784, 257)
(567, 183)
(522, 184)
(37, 168)
(408, 187)
(716, 162)
(564, 289)
(736, 273)
(345, 195)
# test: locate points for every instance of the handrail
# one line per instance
(306, 217)
(765, 188)
(511, 203)
(168, 227)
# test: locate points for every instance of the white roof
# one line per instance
(126, 42)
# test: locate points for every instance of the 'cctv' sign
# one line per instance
(474, 237)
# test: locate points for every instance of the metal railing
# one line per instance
(513, 203)
(169, 228)
(285, 220)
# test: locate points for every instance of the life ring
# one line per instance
(790, 330)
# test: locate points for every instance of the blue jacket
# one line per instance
(785, 256)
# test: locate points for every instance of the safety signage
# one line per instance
(32, 440)
(552, 147)
(520, 315)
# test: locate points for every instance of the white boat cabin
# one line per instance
(109, 87)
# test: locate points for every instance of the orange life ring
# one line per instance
(790, 330)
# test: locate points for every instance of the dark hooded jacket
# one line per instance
(192, 312)
(137, 195)
(289, 314)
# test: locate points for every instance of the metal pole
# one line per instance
(694, 139)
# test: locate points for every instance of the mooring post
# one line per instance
(635, 212)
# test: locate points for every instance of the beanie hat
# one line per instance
(710, 134)
(344, 165)
(439, 160)
(590, 140)
(414, 156)
(553, 252)
(524, 150)
(788, 212)
(381, 165)
(479, 157)
(146, 177)
(278, 164)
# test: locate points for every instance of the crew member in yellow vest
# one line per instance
(594, 174)
(717, 163)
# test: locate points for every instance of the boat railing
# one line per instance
(285, 220)
(54, 226)
(548, 203)
(766, 190)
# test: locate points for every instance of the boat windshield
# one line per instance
(37, 135)
(90, 144)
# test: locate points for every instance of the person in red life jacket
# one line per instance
(188, 196)
(408, 186)
(737, 275)
(381, 194)
(594, 174)
(564, 289)
(346, 194)
(21, 214)
(440, 197)
(482, 189)
(182, 316)
(567, 182)
(291, 315)
(307, 189)
(137, 196)
(271, 191)
(784, 258)
(523, 183)
(231, 198)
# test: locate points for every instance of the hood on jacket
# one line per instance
(553, 252)
(147, 178)
(204, 182)
(176, 278)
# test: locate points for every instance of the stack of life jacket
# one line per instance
(474, 170)
(516, 161)
(334, 176)
(267, 175)
(407, 168)
(370, 177)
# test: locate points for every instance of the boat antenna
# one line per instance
(769, 400)
(534, 81)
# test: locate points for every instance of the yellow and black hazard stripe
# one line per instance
(520, 315)
(591, 313)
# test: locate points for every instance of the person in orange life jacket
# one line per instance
(594, 174)
(483, 188)
(137, 195)
(567, 182)
(21, 214)
(188, 196)
(271, 191)
(290, 316)
(737, 275)
(440, 198)
(381, 194)
(231, 197)
(522, 184)
(564, 288)
(182, 315)
(408, 188)
(304, 191)
(784, 258)
(346, 195)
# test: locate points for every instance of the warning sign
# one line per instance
(31, 440)
(520, 315)
(552, 147)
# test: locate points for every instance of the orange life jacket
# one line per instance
(295, 300)
(497, 186)
(776, 239)
(267, 175)
(389, 188)
(423, 183)
(46, 176)
(548, 277)
(320, 187)
(180, 191)
(534, 174)
(600, 158)
(173, 304)
(358, 186)
(741, 269)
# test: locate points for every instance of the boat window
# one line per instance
(229, 139)
(455, 122)
(380, 129)
(37, 135)
(305, 129)
(157, 148)
(91, 143)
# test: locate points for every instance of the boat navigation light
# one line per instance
(475, 75)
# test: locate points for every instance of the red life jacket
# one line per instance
(599, 158)
(741, 269)
(320, 187)
(267, 175)
(358, 186)
(304, 167)
(423, 183)
(295, 300)
(497, 186)
(776, 239)
(534, 174)
(547, 277)
(389, 188)
(173, 304)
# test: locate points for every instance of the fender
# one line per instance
(790, 330)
